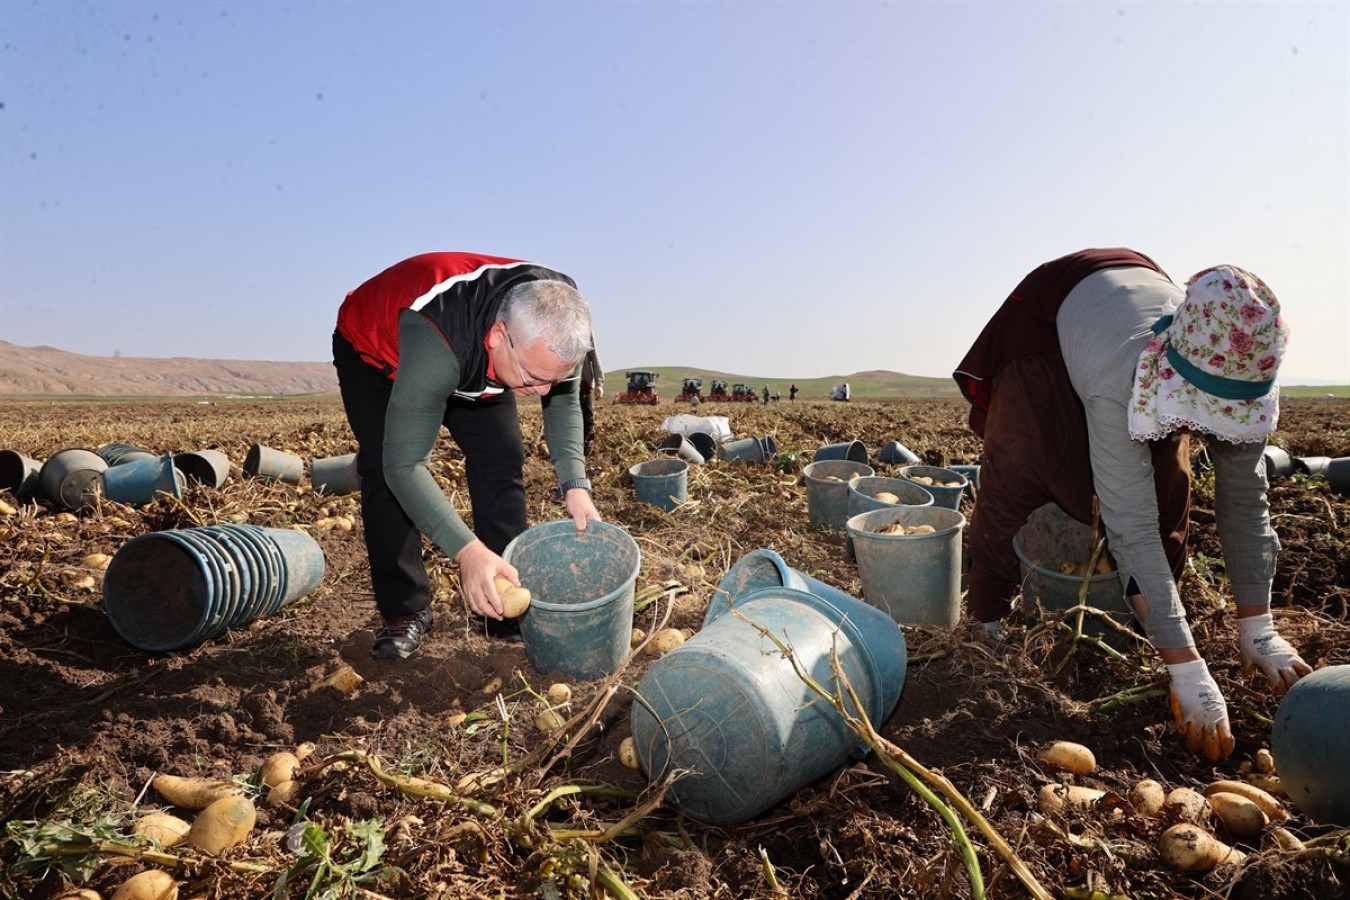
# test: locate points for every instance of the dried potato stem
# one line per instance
(408, 785)
(157, 857)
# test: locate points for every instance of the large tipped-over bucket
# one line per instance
(894, 452)
(681, 446)
(1337, 474)
(760, 569)
(73, 477)
(663, 483)
(946, 485)
(914, 578)
(138, 481)
(19, 474)
(1049, 540)
(853, 451)
(116, 453)
(335, 474)
(827, 490)
(273, 465)
(580, 620)
(1312, 744)
(1311, 465)
(728, 708)
(1278, 462)
(167, 590)
(208, 467)
(751, 449)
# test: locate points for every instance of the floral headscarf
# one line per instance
(1211, 365)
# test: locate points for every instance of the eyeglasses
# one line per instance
(526, 380)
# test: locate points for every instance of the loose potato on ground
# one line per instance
(222, 825)
(162, 828)
(1068, 756)
(548, 720)
(1055, 798)
(1185, 805)
(1188, 848)
(1148, 797)
(152, 884)
(515, 599)
(279, 767)
(628, 755)
(1242, 817)
(1269, 805)
(79, 894)
(559, 692)
(193, 793)
(665, 640)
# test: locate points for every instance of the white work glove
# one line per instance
(1199, 710)
(1264, 650)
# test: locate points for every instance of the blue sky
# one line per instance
(779, 189)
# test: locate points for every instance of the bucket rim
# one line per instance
(675, 465)
(808, 469)
(1097, 578)
(548, 529)
(856, 526)
(915, 467)
(903, 483)
(188, 636)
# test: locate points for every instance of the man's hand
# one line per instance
(477, 567)
(1265, 651)
(1199, 709)
(599, 392)
(581, 507)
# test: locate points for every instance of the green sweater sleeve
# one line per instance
(562, 429)
(428, 373)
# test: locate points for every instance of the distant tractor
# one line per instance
(718, 393)
(693, 387)
(743, 393)
(841, 391)
(641, 388)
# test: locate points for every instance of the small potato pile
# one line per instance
(933, 482)
(897, 528)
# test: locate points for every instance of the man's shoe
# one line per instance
(505, 630)
(400, 636)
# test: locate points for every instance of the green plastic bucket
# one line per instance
(663, 483)
(827, 490)
(914, 578)
(943, 495)
(729, 709)
(580, 620)
(1312, 745)
(1049, 538)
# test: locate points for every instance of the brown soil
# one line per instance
(86, 720)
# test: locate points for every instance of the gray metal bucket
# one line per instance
(704, 443)
(914, 578)
(943, 494)
(827, 490)
(1311, 465)
(1337, 474)
(136, 482)
(73, 477)
(661, 482)
(751, 449)
(116, 453)
(853, 451)
(273, 465)
(1051, 538)
(19, 474)
(681, 446)
(208, 467)
(896, 452)
(335, 474)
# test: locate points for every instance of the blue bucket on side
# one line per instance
(760, 569)
(273, 465)
(751, 449)
(116, 453)
(853, 451)
(948, 485)
(1311, 745)
(136, 482)
(895, 452)
(335, 474)
(727, 706)
(19, 474)
(827, 490)
(580, 619)
(73, 477)
(915, 579)
(304, 562)
(704, 443)
(663, 483)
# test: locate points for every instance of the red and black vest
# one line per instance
(459, 293)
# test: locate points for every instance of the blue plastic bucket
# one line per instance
(853, 451)
(827, 490)
(335, 474)
(727, 707)
(948, 492)
(580, 619)
(1311, 745)
(895, 452)
(19, 474)
(663, 483)
(116, 453)
(1049, 539)
(208, 467)
(137, 481)
(760, 569)
(73, 477)
(913, 578)
(303, 562)
(273, 465)
(971, 472)
(751, 449)
(1311, 465)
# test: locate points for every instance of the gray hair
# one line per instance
(552, 310)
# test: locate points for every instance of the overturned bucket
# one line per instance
(335, 474)
(136, 482)
(760, 569)
(827, 490)
(208, 467)
(580, 620)
(1050, 539)
(663, 483)
(751, 449)
(728, 708)
(893, 452)
(853, 451)
(167, 590)
(19, 474)
(73, 477)
(1277, 461)
(273, 465)
(681, 446)
(913, 578)
(946, 485)
(116, 453)
(704, 443)
(1312, 744)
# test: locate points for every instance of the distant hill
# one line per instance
(47, 371)
(874, 384)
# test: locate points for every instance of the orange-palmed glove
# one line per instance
(1263, 650)
(1199, 709)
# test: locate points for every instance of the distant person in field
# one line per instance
(766, 395)
(792, 394)
(452, 339)
(592, 388)
(1091, 378)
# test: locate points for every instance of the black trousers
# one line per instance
(587, 403)
(487, 431)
